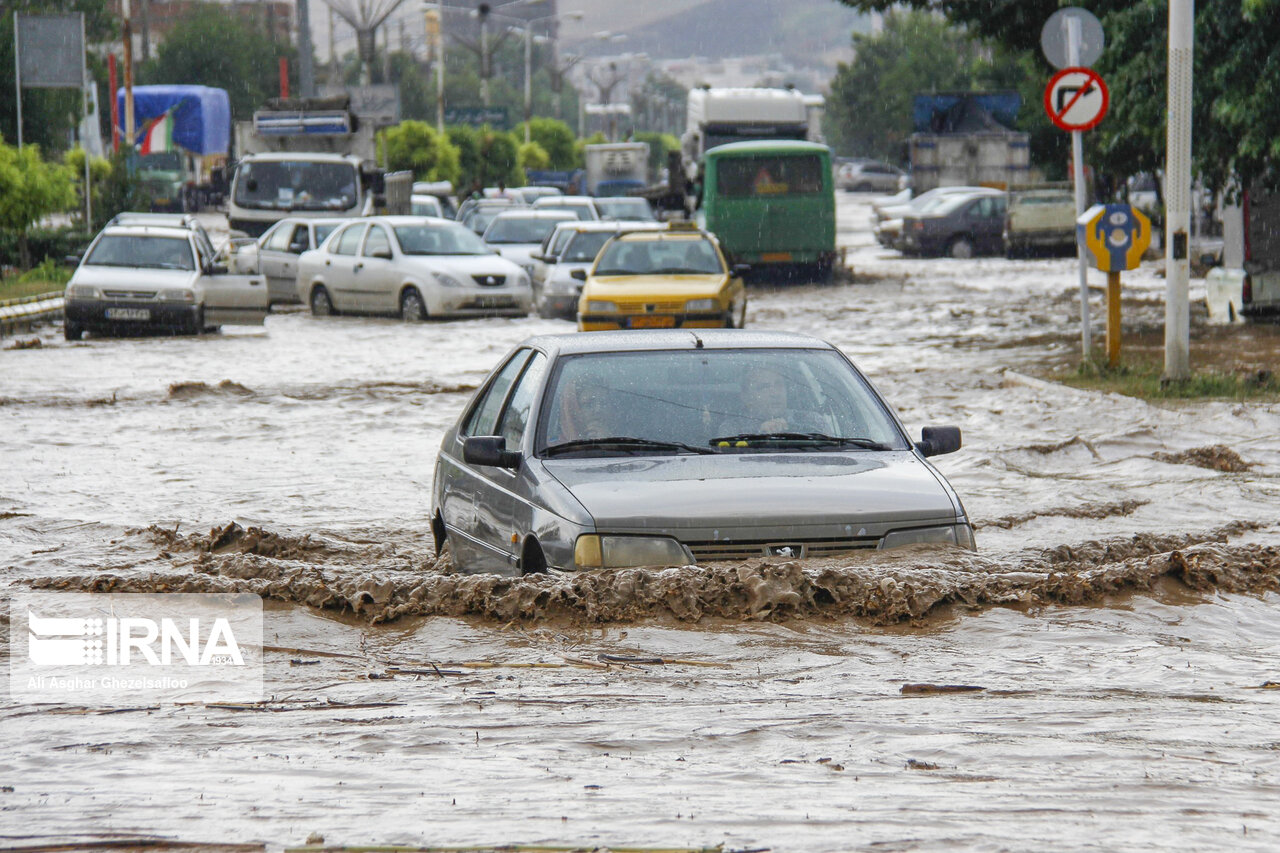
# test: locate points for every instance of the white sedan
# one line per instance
(411, 266)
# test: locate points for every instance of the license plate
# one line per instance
(775, 257)
(653, 322)
(128, 314)
(494, 301)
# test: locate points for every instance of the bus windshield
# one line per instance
(769, 175)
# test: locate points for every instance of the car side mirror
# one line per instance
(580, 275)
(937, 440)
(489, 450)
(551, 259)
(217, 269)
(739, 270)
(298, 248)
(385, 254)
(72, 260)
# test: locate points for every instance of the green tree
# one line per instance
(415, 145)
(1235, 114)
(531, 155)
(499, 158)
(554, 137)
(467, 142)
(659, 145)
(31, 188)
(214, 48)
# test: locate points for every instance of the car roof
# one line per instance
(530, 213)
(610, 225)
(553, 200)
(575, 343)
(654, 234)
(143, 230)
(405, 219)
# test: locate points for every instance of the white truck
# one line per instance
(1247, 284)
(307, 157)
(716, 116)
(964, 139)
(615, 168)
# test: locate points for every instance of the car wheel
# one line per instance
(533, 561)
(862, 188)
(321, 305)
(960, 248)
(738, 315)
(72, 331)
(412, 308)
(197, 324)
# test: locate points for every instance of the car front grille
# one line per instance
(641, 306)
(748, 549)
(490, 280)
(129, 294)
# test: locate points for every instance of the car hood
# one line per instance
(519, 253)
(624, 285)
(751, 491)
(132, 278)
(463, 264)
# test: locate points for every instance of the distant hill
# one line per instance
(805, 32)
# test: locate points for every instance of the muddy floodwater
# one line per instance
(1100, 675)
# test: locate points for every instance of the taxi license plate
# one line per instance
(653, 322)
(494, 301)
(128, 314)
(775, 257)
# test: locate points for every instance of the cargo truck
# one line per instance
(965, 139)
(716, 116)
(615, 168)
(1247, 284)
(182, 134)
(312, 157)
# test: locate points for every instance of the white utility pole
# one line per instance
(1177, 192)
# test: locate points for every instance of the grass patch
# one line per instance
(45, 278)
(1145, 381)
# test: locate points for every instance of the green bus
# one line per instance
(771, 203)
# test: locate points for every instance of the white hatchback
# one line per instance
(412, 266)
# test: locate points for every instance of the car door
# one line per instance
(339, 268)
(463, 487)
(279, 259)
(985, 219)
(503, 510)
(228, 299)
(374, 274)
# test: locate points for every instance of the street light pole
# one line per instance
(528, 78)
(485, 60)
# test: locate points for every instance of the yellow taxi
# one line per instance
(675, 278)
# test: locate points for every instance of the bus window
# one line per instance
(740, 177)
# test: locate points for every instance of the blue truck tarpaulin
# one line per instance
(201, 122)
(965, 112)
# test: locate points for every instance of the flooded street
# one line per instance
(1096, 677)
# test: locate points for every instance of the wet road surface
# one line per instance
(1116, 625)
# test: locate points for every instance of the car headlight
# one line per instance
(948, 534)
(521, 280)
(599, 306)
(448, 280)
(83, 291)
(177, 294)
(701, 305)
(596, 551)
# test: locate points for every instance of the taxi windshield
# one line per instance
(654, 257)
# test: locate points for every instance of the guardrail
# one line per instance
(15, 313)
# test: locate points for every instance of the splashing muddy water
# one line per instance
(1099, 675)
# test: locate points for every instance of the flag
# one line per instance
(157, 136)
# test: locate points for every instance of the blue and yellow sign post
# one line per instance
(1113, 238)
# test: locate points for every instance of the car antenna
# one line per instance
(697, 341)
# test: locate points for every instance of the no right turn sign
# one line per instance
(1076, 99)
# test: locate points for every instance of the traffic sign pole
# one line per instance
(1077, 159)
(1113, 319)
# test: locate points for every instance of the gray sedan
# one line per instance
(670, 448)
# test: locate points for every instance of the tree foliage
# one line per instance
(555, 138)
(531, 155)
(213, 48)
(415, 145)
(1235, 113)
(31, 188)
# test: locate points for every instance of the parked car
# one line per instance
(572, 246)
(675, 277)
(960, 226)
(622, 207)
(866, 176)
(158, 274)
(615, 450)
(532, 194)
(887, 218)
(517, 234)
(582, 205)
(426, 205)
(412, 266)
(442, 191)
(1040, 218)
(274, 255)
(476, 214)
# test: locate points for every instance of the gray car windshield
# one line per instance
(650, 257)
(296, 185)
(633, 209)
(728, 401)
(163, 253)
(586, 245)
(519, 230)
(446, 238)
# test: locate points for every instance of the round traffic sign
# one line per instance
(1076, 99)
(1055, 38)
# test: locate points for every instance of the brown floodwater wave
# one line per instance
(882, 588)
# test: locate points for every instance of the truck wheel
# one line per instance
(412, 308)
(321, 305)
(960, 248)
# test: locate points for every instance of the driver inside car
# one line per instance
(766, 407)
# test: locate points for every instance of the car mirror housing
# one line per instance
(489, 450)
(218, 269)
(937, 440)
(740, 270)
(579, 275)
(385, 254)
(297, 248)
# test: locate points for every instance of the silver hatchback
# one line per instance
(669, 448)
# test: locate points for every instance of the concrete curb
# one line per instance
(15, 313)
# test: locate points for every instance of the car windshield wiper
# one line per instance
(776, 438)
(622, 443)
